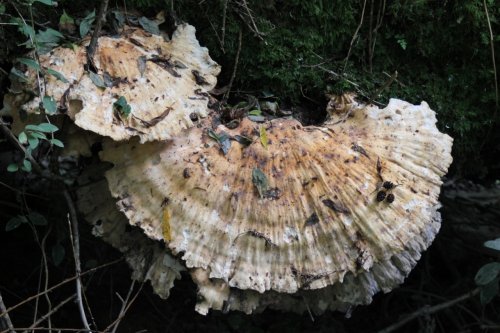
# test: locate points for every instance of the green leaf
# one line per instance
(47, 2)
(213, 135)
(23, 28)
(122, 106)
(38, 135)
(259, 180)
(493, 244)
(263, 136)
(149, 26)
(2, 8)
(13, 223)
(255, 113)
(488, 292)
(86, 24)
(66, 19)
(26, 166)
(12, 167)
(119, 17)
(30, 63)
(23, 138)
(56, 142)
(47, 128)
(487, 273)
(47, 39)
(16, 75)
(33, 141)
(245, 141)
(49, 105)
(31, 127)
(37, 218)
(58, 252)
(57, 75)
(97, 79)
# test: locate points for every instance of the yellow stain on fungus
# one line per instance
(167, 233)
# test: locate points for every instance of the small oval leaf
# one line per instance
(487, 273)
(57, 142)
(263, 136)
(26, 166)
(13, 223)
(47, 128)
(488, 292)
(23, 138)
(49, 105)
(12, 167)
(30, 63)
(493, 244)
(58, 252)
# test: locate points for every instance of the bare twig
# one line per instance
(427, 310)
(223, 29)
(255, 29)
(221, 43)
(75, 241)
(395, 79)
(492, 53)
(124, 306)
(58, 329)
(380, 18)
(235, 68)
(6, 319)
(97, 30)
(5, 313)
(386, 85)
(45, 271)
(50, 313)
(355, 36)
(126, 309)
(370, 35)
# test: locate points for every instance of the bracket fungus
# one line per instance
(144, 86)
(258, 220)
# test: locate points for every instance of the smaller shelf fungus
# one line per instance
(262, 212)
(144, 85)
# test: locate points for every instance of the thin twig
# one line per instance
(223, 29)
(75, 241)
(427, 310)
(97, 30)
(386, 85)
(492, 54)
(6, 319)
(370, 35)
(237, 59)
(50, 313)
(45, 272)
(380, 18)
(124, 306)
(5, 313)
(126, 309)
(255, 29)
(58, 329)
(354, 36)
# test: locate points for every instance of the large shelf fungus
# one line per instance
(143, 85)
(278, 208)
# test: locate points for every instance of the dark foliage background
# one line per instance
(297, 51)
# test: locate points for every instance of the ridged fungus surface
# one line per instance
(164, 82)
(279, 208)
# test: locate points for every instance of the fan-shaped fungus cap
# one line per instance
(292, 207)
(145, 86)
